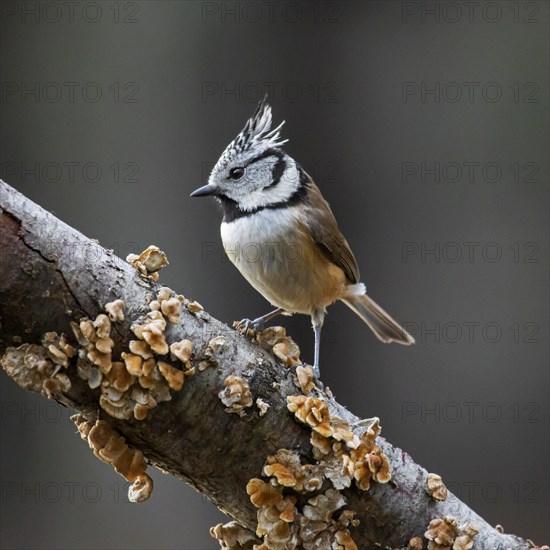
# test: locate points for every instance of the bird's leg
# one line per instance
(258, 323)
(317, 331)
(317, 319)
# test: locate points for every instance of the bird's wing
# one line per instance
(326, 234)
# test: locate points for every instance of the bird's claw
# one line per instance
(245, 325)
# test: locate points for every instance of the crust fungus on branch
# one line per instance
(435, 487)
(110, 447)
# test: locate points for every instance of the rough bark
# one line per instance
(51, 274)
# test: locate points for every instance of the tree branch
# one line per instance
(51, 274)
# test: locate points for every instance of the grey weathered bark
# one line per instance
(51, 274)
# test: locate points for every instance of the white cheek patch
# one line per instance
(279, 193)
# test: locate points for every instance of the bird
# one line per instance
(281, 234)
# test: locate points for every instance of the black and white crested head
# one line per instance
(254, 173)
(256, 136)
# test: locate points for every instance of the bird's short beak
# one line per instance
(204, 191)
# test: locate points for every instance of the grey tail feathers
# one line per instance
(383, 326)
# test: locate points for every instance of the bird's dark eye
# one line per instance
(236, 173)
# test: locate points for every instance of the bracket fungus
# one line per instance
(284, 519)
(305, 378)
(274, 339)
(182, 351)
(110, 447)
(139, 382)
(282, 525)
(435, 487)
(115, 310)
(262, 406)
(233, 536)
(415, 544)
(343, 456)
(194, 307)
(32, 367)
(169, 303)
(149, 262)
(311, 411)
(236, 396)
(288, 471)
(445, 533)
(173, 376)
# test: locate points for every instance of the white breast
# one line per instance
(252, 237)
(276, 254)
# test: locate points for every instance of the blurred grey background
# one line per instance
(426, 126)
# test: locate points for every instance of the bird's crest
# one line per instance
(256, 135)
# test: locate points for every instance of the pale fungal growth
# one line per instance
(287, 351)
(276, 515)
(318, 528)
(276, 524)
(182, 351)
(110, 447)
(262, 406)
(343, 456)
(117, 408)
(102, 326)
(341, 431)
(130, 387)
(435, 487)
(96, 344)
(233, 536)
(444, 533)
(59, 349)
(101, 360)
(134, 363)
(262, 493)
(344, 541)
(270, 336)
(274, 339)
(286, 468)
(136, 385)
(87, 371)
(115, 310)
(118, 378)
(31, 366)
(149, 262)
(173, 376)
(138, 347)
(236, 396)
(194, 307)
(304, 378)
(152, 331)
(58, 383)
(311, 411)
(281, 524)
(214, 345)
(370, 462)
(82, 425)
(321, 445)
(141, 489)
(168, 303)
(171, 309)
(415, 544)
(465, 539)
(339, 467)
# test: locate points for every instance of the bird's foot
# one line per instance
(246, 325)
